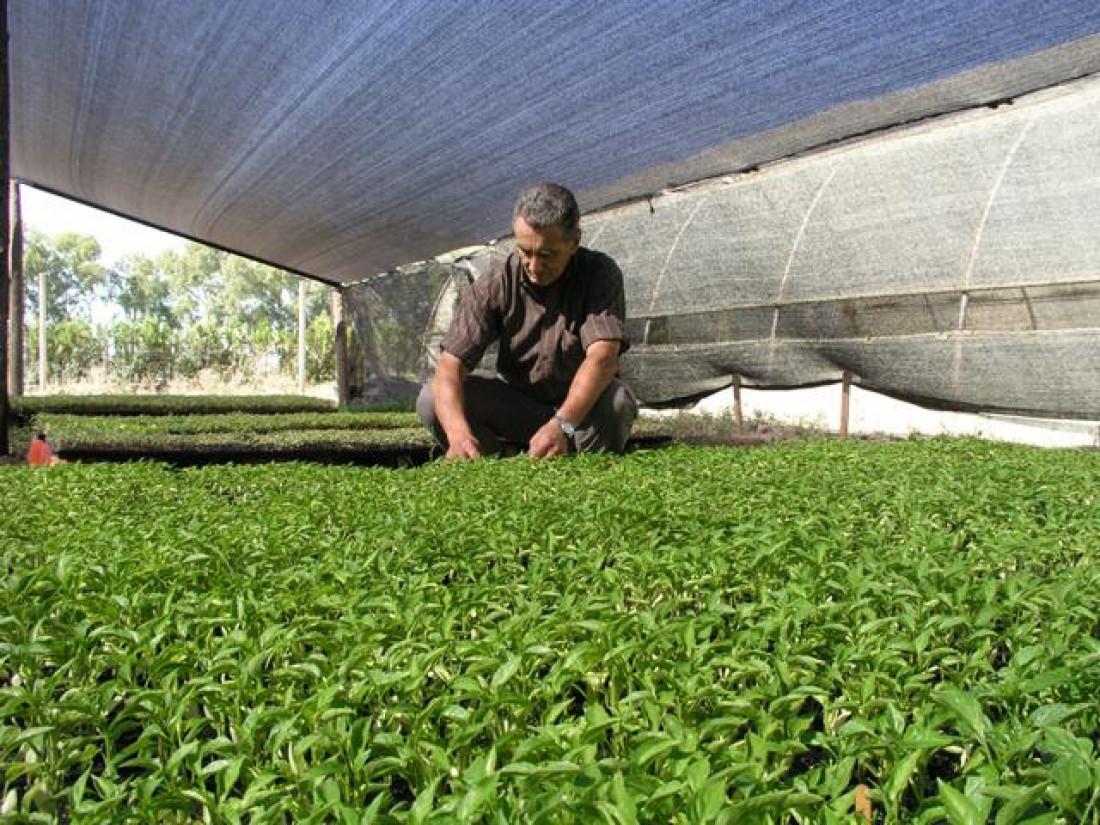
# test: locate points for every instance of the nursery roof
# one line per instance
(341, 138)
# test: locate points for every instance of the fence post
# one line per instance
(341, 345)
(845, 400)
(302, 286)
(5, 234)
(43, 343)
(737, 409)
(16, 296)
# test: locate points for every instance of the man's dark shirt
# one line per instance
(543, 332)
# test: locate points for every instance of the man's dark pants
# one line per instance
(502, 416)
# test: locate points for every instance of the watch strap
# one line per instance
(565, 425)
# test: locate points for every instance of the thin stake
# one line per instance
(16, 296)
(5, 217)
(341, 346)
(737, 411)
(303, 285)
(43, 288)
(845, 400)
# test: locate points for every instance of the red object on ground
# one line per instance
(40, 454)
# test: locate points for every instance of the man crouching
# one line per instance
(558, 313)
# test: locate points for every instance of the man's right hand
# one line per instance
(464, 448)
(450, 374)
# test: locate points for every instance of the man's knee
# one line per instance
(425, 406)
(476, 389)
(610, 422)
(624, 411)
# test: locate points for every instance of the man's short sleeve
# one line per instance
(605, 316)
(473, 328)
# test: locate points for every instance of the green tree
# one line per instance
(142, 289)
(144, 351)
(320, 348)
(194, 277)
(73, 349)
(256, 295)
(181, 313)
(75, 277)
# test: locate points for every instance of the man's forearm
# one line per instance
(601, 363)
(447, 392)
(595, 374)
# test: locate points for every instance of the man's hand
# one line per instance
(464, 448)
(447, 391)
(548, 441)
(601, 362)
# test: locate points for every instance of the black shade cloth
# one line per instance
(342, 138)
(955, 261)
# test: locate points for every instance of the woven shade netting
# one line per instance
(954, 264)
(340, 140)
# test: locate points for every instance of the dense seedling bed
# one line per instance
(154, 430)
(141, 426)
(237, 436)
(685, 635)
(388, 438)
(28, 406)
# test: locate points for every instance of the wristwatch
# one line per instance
(565, 426)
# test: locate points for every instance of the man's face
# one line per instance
(544, 252)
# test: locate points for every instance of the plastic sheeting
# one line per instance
(956, 264)
(342, 138)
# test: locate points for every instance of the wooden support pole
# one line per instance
(16, 297)
(341, 346)
(43, 304)
(5, 226)
(845, 401)
(302, 288)
(738, 412)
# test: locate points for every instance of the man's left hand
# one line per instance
(548, 441)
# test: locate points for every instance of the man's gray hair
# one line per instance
(545, 205)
